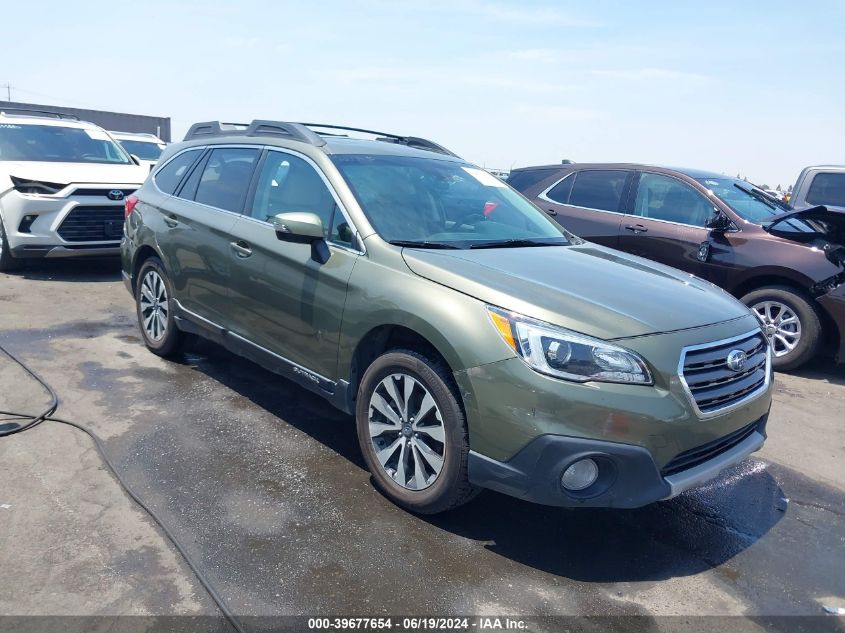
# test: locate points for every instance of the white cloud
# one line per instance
(650, 74)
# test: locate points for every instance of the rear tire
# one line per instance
(791, 323)
(7, 262)
(419, 463)
(154, 307)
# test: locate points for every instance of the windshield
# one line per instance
(55, 143)
(736, 194)
(145, 150)
(443, 204)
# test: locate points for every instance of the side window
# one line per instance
(665, 198)
(598, 189)
(225, 178)
(560, 192)
(168, 177)
(525, 178)
(827, 189)
(288, 183)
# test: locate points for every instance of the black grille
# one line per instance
(700, 454)
(713, 384)
(102, 192)
(93, 224)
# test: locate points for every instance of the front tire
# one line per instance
(791, 324)
(413, 434)
(7, 262)
(153, 305)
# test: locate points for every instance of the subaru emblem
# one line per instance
(115, 194)
(736, 360)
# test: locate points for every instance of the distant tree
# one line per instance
(778, 188)
(790, 189)
(764, 186)
(738, 177)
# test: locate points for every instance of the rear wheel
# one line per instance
(790, 322)
(413, 434)
(153, 304)
(7, 262)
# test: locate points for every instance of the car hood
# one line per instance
(67, 173)
(586, 288)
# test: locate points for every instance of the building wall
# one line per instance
(114, 121)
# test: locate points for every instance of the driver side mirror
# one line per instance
(135, 159)
(718, 222)
(299, 226)
(303, 227)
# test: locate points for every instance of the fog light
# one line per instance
(582, 474)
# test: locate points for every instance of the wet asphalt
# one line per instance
(265, 485)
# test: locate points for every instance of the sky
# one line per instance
(756, 88)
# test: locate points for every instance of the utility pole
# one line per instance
(8, 88)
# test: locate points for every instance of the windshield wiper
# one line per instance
(762, 197)
(515, 243)
(423, 244)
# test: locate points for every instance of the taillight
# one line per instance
(129, 204)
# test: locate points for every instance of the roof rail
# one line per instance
(410, 141)
(292, 131)
(34, 112)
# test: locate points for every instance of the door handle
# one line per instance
(171, 221)
(241, 248)
(551, 211)
(636, 228)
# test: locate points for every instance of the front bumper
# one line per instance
(48, 251)
(628, 476)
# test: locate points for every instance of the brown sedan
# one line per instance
(788, 266)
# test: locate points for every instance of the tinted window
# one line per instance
(827, 189)
(598, 189)
(288, 183)
(560, 192)
(168, 177)
(55, 143)
(225, 178)
(525, 178)
(665, 198)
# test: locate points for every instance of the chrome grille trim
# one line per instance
(708, 382)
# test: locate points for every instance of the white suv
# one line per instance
(145, 147)
(62, 185)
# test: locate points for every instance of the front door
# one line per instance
(666, 223)
(283, 300)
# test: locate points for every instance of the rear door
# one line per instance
(589, 203)
(283, 300)
(199, 220)
(665, 222)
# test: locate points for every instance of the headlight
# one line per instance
(561, 353)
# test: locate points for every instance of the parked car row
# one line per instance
(787, 265)
(479, 341)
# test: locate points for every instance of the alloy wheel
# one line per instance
(155, 306)
(407, 431)
(781, 324)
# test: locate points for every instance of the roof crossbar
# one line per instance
(302, 132)
(259, 127)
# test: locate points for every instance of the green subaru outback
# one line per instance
(476, 342)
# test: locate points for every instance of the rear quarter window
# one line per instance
(598, 189)
(524, 179)
(168, 177)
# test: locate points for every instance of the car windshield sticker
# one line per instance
(98, 135)
(485, 178)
